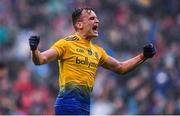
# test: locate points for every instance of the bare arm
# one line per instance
(123, 67)
(39, 58)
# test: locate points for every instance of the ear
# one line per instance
(79, 25)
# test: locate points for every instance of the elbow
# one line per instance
(121, 69)
(122, 72)
(37, 63)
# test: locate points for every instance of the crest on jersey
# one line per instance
(89, 51)
(96, 55)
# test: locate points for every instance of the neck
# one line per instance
(84, 36)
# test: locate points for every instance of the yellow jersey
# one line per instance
(78, 61)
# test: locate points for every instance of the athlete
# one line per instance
(78, 61)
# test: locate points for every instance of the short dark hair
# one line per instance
(77, 13)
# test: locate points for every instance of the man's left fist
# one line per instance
(149, 50)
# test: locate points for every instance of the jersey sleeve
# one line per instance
(60, 46)
(103, 57)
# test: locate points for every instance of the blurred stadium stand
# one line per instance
(126, 25)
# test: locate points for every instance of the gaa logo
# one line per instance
(80, 50)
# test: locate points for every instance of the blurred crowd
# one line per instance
(125, 26)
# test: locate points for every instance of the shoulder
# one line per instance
(60, 42)
(99, 48)
(67, 39)
(71, 38)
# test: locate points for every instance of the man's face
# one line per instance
(89, 23)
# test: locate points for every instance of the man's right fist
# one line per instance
(33, 42)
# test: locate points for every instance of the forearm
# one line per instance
(130, 64)
(38, 58)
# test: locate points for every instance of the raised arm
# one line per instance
(39, 58)
(128, 65)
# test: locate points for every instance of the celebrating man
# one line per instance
(79, 59)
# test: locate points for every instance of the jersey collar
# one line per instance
(82, 39)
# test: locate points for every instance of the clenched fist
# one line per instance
(149, 51)
(33, 42)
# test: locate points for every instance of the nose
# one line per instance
(97, 20)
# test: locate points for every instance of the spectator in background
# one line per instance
(7, 103)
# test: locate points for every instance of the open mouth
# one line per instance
(94, 28)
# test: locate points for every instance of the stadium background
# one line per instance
(126, 25)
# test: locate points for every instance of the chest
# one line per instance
(83, 55)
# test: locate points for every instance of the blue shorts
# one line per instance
(71, 107)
